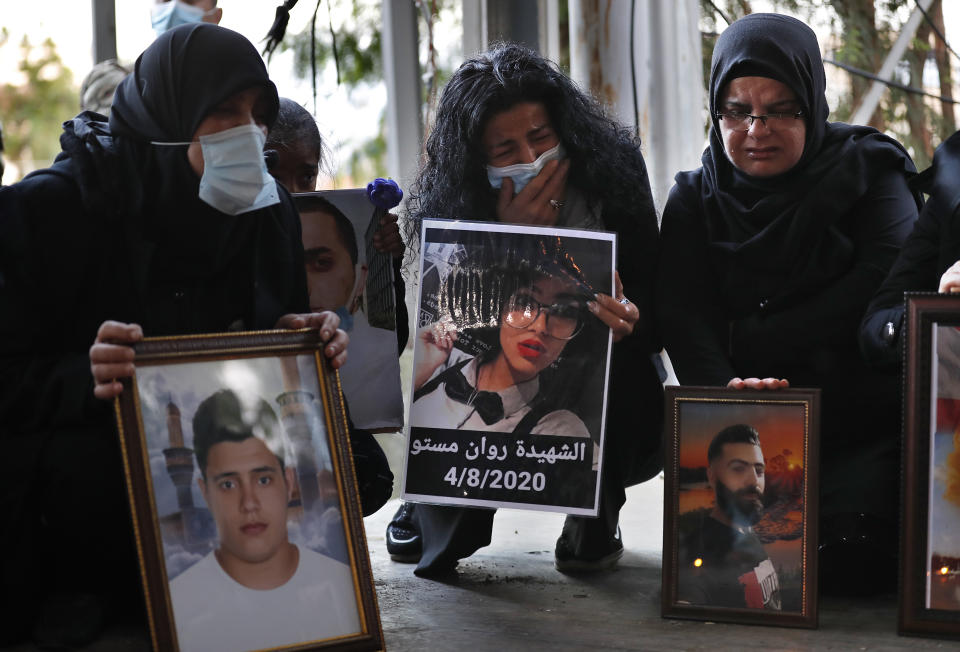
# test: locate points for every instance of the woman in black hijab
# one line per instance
(769, 254)
(137, 229)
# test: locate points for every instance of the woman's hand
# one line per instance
(437, 340)
(387, 236)
(327, 323)
(758, 383)
(111, 357)
(950, 281)
(532, 204)
(619, 313)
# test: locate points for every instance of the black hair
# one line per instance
(736, 434)
(315, 203)
(223, 417)
(476, 291)
(295, 124)
(606, 164)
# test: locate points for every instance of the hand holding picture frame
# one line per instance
(244, 502)
(740, 506)
(930, 527)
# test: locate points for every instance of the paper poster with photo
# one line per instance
(347, 274)
(510, 367)
(243, 495)
(740, 506)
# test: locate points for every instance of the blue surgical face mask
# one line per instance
(523, 173)
(171, 14)
(346, 319)
(235, 178)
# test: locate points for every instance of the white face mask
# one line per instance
(235, 178)
(523, 173)
(168, 15)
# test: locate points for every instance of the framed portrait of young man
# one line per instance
(740, 505)
(930, 526)
(244, 502)
(510, 367)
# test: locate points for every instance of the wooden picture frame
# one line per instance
(930, 573)
(717, 507)
(264, 545)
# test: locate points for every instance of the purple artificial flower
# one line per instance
(384, 193)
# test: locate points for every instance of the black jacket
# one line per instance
(933, 246)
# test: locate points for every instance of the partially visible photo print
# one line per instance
(943, 556)
(348, 275)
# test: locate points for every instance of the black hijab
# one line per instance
(184, 74)
(147, 194)
(775, 238)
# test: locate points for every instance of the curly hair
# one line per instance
(475, 294)
(606, 163)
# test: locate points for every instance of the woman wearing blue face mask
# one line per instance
(516, 141)
(137, 229)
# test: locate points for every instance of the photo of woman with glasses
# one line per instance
(521, 381)
(770, 253)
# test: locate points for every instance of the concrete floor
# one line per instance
(508, 596)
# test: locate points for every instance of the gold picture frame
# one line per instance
(244, 503)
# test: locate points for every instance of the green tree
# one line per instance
(33, 110)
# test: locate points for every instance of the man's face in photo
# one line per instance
(247, 492)
(738, 479)
(331, 273)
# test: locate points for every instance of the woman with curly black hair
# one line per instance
(517, 141)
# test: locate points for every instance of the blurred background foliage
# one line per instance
(34, 106)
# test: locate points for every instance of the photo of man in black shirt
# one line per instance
(721, 561)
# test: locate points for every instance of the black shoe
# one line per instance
(404, 542)
(567, 562)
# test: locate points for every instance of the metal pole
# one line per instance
(401, 69)
(104, 30)
(661, 94)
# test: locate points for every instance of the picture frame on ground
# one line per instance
(930, 524)
(741, 505)
(510, 367)
(244, 502)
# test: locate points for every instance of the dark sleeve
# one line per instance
(299, 297)
(691, 322)
(916, 269)
(830, 319)
(48, 319)
(637, 244)
(370, 466)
